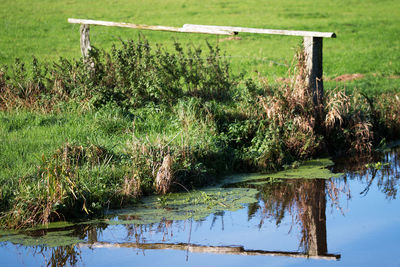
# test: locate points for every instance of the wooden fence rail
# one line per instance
(312, 43)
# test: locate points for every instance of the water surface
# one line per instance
(348, 221)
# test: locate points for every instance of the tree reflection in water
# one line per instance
(61, 256)
(305, 201)
(382, 169)
(69, 255)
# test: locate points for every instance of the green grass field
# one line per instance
(103, 132)
(368, 32)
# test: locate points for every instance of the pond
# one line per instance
(352, 219)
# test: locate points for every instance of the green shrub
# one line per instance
(130, 76)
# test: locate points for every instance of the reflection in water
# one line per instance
(61, 256)
(228, 250)
(384, 172)
(305, 201)
(308, 198)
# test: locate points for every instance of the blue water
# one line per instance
(363, 229)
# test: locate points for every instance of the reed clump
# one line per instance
(342, 123)
(291, 108)
(163, 166)
(57, 188)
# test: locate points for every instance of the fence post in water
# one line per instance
(313, 62)
(85, 40)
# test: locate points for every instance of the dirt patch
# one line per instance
(349, 77)
(232, 38)
(282, 80)
(342, 78)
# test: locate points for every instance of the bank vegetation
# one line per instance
(141, 120)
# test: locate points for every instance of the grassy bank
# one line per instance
(367, 32)
(81, 136)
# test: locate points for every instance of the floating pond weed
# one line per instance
(182, 206)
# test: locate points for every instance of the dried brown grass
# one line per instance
(349, 118)
(337, 120)
(387, 109)
(291, 108)
(164, 176)
(132, 185)
(151, 167)
(28, 94)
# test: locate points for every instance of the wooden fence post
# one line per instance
(313, 61)
(85, 40)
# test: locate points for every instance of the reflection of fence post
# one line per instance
(92, 235)
(85, 40)
(315, 211)
(313, 61)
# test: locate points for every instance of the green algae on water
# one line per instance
(200, 204)
(52, 225)
(311, 169)
(50, 239)
(183, 206)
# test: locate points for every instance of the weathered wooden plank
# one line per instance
(194, 27)
(229, 250)
(148, 27)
